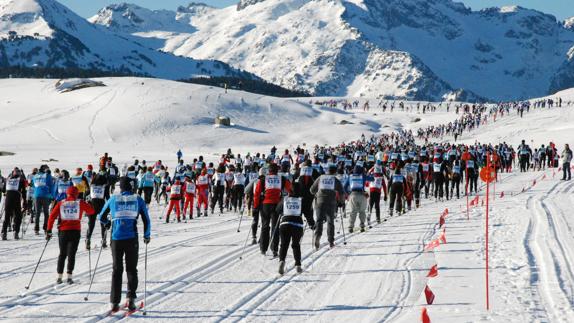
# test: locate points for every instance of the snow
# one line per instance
(194, 271)
(23, 17)
(299, 44)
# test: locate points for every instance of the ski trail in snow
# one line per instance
(95, 117)
(551, 258)
(53, 114)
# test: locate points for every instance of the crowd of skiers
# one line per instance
(284, 193)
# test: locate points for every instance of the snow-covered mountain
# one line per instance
(343, 47)
(45, 33)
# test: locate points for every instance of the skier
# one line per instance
(69, 214)
(179, 156)
(238, 190)
(375, 188)
(147, 183)
(566, 160)
(397, 188)
(291, 227)
(15, 192)
(218, 189)
(268, 193)
(125, 210)
(328, 192)
(306, 177)
(203, 188)
(357, 198)
(174, 200)
(189, 189)
(99, 193)
(43, 184)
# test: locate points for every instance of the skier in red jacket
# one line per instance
(268, 193)
(174, 200)
(69, 213)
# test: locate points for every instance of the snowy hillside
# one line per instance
(331, 47)
(43, 33)
(157, 117)
(194, 271)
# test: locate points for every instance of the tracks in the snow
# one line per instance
(548, 243)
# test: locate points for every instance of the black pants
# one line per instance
(218, 197)
(42, 205)
(128, 250)
(396, 196)
(438, 188)
(307, 210)
(375, 200)
(523, 163)
(269, 218)
(237, 197)
(565, 169)
(68, 241)
(446, 187)
(325, 213)
(455, 184)
(13, 212)
(148, 193)
(98, 205)
(255, 212)
(291, 234)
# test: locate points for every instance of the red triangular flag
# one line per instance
(442, 236)
(425, 316)
(433, 244)
(429, 295)
(441, 221)
(502, 194)
(560, 169)
(445, 212)
(534, 183)
(433, 272)
(482, 203)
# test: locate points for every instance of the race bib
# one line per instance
(239, 179)
(306, 171)
(398, 178)
(456, 169)
(190, 188)
(436, 168)
(202, 180)
(97, 192)
(327, 183)
(356, 182)
(12, 184)
(425, 167)
(470, 164)
(273, 182)
(112, 171)
(378, 182)
(292, 206)
(126, 207)
(70, 210)
(176, 190)
(40, 181)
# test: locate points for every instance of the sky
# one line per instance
(562, 9)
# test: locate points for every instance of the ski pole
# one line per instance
(96, 267)
(90, 261)
(37, 264)
(245, 244)
(145, 283)
(344, 237)
(240, 219)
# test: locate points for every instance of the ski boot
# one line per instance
(70, 281)
(281, 267)
(4, 236)
(299, 269)
(131, 305)
(167, 219)
(254, 241)
(115, 308)
(351, 230)
(362, 229)
(16, 236)
(88, 244)
(59, 279)
(317, 242)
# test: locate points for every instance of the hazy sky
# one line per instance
(560, 8)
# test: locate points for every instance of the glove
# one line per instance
(48, 235)
(146, 240)
(108, 225)
(385, 199)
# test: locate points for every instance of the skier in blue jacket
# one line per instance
(43, 184)
(121, 213)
